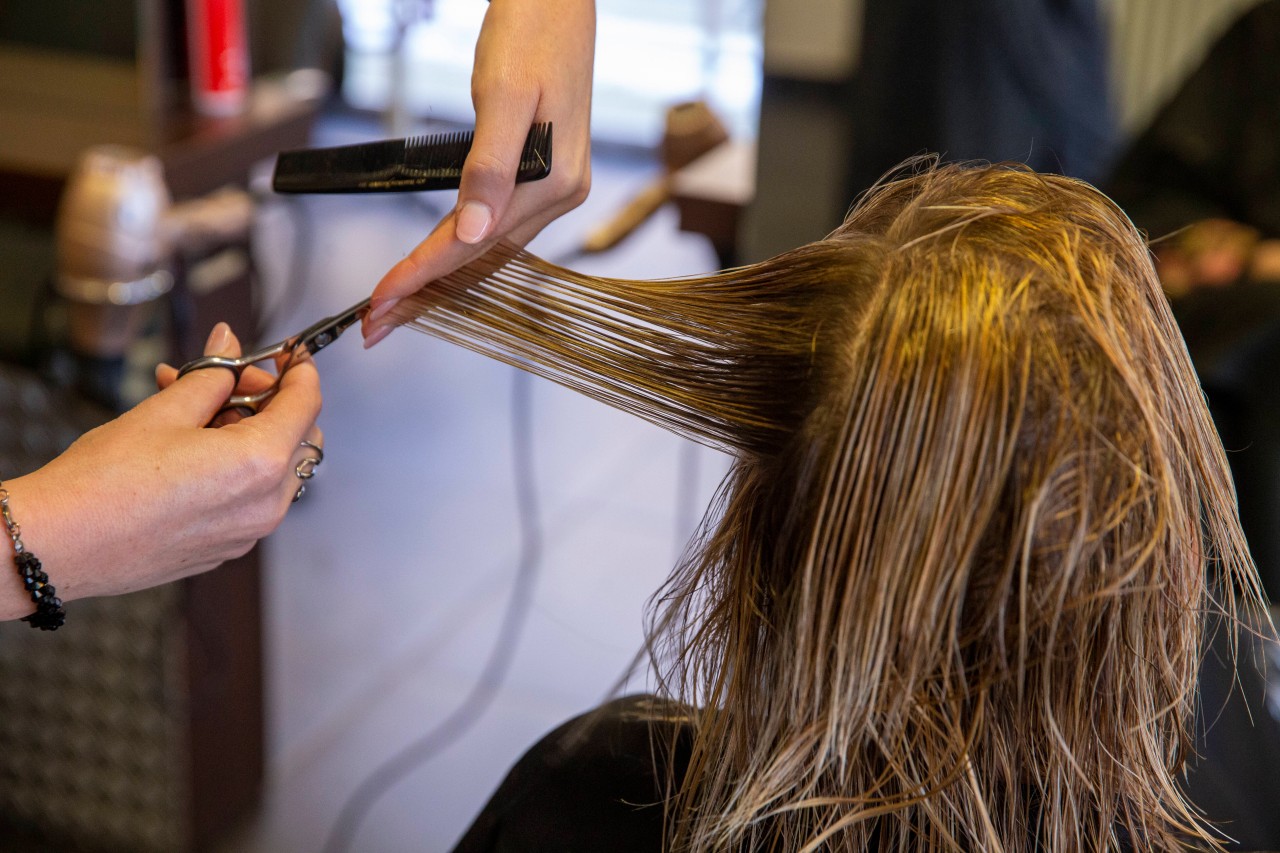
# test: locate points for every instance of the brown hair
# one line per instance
(951, 593)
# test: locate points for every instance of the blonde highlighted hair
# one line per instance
(951, 594)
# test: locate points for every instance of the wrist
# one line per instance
(14, 600)
(30, 595)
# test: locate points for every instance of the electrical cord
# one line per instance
(419, 752)
(498, 664)
(496, 667)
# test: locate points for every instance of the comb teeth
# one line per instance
(399, 165)
(535, 159)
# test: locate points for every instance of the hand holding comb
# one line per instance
(399, 165)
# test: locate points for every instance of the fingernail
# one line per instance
(219, 339)
(473, 222)
(378, 308)
(377, 335)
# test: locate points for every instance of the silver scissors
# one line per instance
(294, 349)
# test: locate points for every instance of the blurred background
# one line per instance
(474, 562)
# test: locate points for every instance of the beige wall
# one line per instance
(811, 39)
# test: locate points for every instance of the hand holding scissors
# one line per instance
(286, 353)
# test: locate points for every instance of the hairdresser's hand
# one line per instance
(153, 495)
(533, 63)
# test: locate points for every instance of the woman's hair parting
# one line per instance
(951, 594)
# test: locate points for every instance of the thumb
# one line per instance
(195, 398)
(489, 174)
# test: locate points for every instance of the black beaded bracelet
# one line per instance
(49, 615)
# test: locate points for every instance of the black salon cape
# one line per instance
(587, 787)
(591, 786)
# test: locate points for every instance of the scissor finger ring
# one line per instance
(301, 346)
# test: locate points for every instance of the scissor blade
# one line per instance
(329, 329)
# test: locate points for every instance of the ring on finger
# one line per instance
(306, 468)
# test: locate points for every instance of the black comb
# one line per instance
(399, 165)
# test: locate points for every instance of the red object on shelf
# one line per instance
(219, 56)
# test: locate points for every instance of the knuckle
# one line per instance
(215, 381)
(490, 169)
(267, 467)
(261, 473)
(263, 469)
(483, 86)
(579, 192)
(414, 264)
(571, 187)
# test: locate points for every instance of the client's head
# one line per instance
(952, 591)
(965, 592)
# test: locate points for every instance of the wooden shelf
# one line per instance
(53, 106)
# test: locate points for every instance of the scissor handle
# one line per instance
(253, 403)
(296, 349)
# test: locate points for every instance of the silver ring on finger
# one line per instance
(306, 468)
